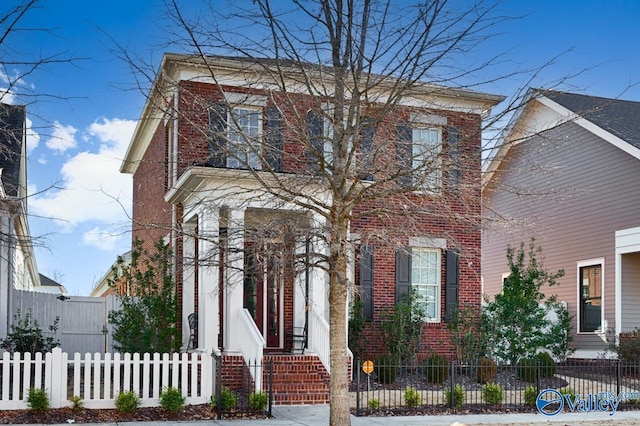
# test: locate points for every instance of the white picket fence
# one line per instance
(98, 378)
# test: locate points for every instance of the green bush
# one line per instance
(127, 402)
(530, 395)
(258, 401)
(172, 400)
(412, 397)
(526, 370)
(374, 404)
(547, 365)
(567, 391)
(76, 403)
(38, 400)
(436, 368)
(386, 367)
(25, 335)
(227, 399)
(492, 393)
(459, 396)
(487, 370)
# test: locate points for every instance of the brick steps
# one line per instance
(298, 379)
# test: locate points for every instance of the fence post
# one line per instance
(452, 384)
(358, 387)
(218, 387)
(58, 384)
(537, 375)
(618, 367)
(270, 386)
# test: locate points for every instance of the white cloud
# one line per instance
(62, 138)
(33, 138)
(94, 190)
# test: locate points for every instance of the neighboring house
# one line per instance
(568, 174)
(105, 287)
(18, 269)
(47, 285)
(246, 297)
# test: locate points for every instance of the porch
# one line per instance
(257, 298)
(627, 276)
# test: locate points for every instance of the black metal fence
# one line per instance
(395, 388)
(235, 388)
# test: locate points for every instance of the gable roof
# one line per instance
(619, 117)
(614, 120)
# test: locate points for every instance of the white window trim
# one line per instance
(581, 264)
(438, 251)
(230, 125)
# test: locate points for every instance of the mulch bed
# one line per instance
(67, 415)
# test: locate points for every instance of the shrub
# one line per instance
(172, 400)
(227, 399)
(127, 402)
(38, 400)
(487, 370)
(526, 370)
(374, 404)
(567, 391)
(458, 396)
(25, 335)
(76, 403)
(412, 397)
(530, 395)
(386, 367)
(436, 368)
(258, 401)
(547, 365)
(492, 393)
(402, 327)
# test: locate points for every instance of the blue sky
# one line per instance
(79, 210)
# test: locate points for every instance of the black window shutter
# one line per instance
(273, 138)
(403, 273)
(454, 167)
(315, 132)
(404, 151)
(218, 135)
(367, 133)
(366, 281)
(452, 283)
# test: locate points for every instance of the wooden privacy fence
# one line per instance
(98, 378)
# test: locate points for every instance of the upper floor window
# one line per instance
(244, 136)
(426, 146)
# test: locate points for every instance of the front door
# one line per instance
(263, 290)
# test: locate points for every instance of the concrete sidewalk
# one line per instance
(318, 415)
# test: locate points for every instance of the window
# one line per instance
(418, 269)
(425, 156)
(244, 137)
(590, 280)
(425, 280)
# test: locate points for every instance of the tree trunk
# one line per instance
(339, 411)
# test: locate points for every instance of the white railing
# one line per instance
(98, 378)
(319, 338)
(251, 346)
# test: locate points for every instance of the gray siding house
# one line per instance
(568, 174)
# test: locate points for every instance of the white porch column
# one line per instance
(234, 276)
(188, 279)
(318, 279)
(208, 256)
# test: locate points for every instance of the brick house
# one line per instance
(245, 257)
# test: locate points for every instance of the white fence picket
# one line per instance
(98, 378)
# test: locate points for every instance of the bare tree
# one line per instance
(346, 83)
